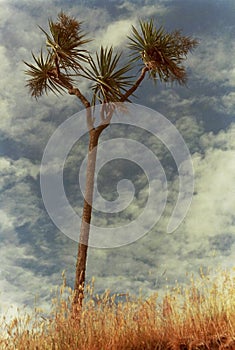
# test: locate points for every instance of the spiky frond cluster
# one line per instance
(44, 78)
(162, 52)
(66, 50)
(67, 41)
(109, 81)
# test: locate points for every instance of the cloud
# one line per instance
(116, 33)
(211, 211)
(213, 60)
(18, 169)
(148, 9)
(205, 239)
(228, 103)
(214, 199)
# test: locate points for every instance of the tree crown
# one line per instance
(157, 51)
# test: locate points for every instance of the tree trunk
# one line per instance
(94, 134)
(86, 216)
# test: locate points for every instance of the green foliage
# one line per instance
(65, 52)
(109, 81)
(43, 76)
(162, 52)
(67, 41)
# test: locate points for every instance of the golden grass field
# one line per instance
(199, 316)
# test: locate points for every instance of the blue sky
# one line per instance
(33, 251)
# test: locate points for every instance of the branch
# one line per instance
(136, 85)
(87, 105)
(71, 89)
(75, 91)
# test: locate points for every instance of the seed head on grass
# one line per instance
(200, 316)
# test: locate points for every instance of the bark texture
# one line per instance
(86, 217)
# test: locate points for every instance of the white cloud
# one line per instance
(116, 33)
(211, 212)
(212, 62)
(6, 222)
(204, 239)
(17, 170)
(147, 10)
(228, 103)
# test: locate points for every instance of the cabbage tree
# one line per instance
(159, 54)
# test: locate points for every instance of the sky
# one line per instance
(33, 251)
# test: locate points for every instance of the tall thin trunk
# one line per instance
(86, 216)
(94, 134)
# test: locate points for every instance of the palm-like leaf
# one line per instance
(67, 41)
(43, 76)
(110, 82)
(163, 53)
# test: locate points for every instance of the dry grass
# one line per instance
(201, 316)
